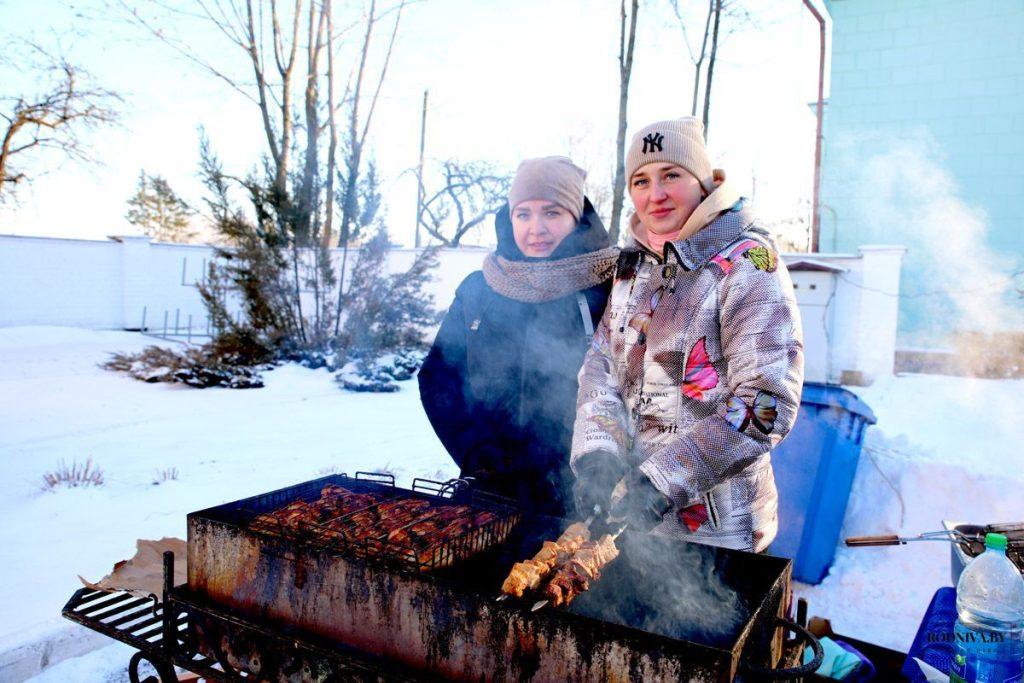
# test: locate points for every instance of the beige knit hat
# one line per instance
(555, 179)
(680, 141)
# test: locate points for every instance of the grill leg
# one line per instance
(164, 669)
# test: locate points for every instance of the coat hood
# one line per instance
(695, 251)
(589, 235)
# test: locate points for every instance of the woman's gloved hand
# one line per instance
(642, 505)
(597, 474)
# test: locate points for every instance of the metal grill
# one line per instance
(974, 545)
(492, 519)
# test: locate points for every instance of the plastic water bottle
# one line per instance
(988, 639)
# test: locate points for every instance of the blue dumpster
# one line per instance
(814, 469)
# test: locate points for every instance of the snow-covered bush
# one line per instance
(366, 376)
(380, 373)
(197, 367)
(73, 476)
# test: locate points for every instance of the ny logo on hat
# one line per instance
(652, 142)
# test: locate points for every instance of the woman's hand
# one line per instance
(597, 473)
(641, 504)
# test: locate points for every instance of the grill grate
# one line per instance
(405, 536)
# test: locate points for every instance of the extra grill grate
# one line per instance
(493, 518)
(976, 544)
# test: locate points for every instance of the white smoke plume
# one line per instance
(901, 190)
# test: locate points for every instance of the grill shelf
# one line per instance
(142, 623)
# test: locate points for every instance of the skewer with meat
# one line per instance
(529, 574)
(585, 566)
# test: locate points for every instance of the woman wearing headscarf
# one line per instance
(696, 368)
(499, 384)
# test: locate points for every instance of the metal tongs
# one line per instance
(948, 535)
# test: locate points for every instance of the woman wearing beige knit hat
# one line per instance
(499, 384)
(696, 368)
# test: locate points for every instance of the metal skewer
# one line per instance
(587, 522)
(540, 604)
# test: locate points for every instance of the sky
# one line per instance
(507, 81)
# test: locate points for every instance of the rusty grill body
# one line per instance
(439, 617)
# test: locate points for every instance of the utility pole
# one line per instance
(419, 170)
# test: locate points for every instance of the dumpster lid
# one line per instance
(832, 395)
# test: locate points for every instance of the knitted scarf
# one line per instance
(539, 281)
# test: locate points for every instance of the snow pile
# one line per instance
(944, 448)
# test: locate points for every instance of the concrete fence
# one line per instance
(849, 302)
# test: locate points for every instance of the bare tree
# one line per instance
(711, 66)
(697, 59)
(357, 133)
(627, 39)
(285, 44)
(51, 119)
(723, 18)
(470, 193)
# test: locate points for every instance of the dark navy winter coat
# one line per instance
(499, 384)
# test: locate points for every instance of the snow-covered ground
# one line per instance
(944, 448)
(57, 405)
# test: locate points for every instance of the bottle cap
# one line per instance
(997, 541)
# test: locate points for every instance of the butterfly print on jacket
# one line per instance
(700, 375)
(762, 415)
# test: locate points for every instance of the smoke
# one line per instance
(899, 189)
(676, 589)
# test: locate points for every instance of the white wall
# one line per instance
(849, 317)
(107, 284)
(46, 281)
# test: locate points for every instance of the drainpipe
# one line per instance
(816, 209)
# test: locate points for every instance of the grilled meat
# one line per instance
(284, 519)
(529, 574)
(334, 501)
(412, 528)
(445, 523)
(584, 566)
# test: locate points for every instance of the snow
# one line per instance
(944, 448)
(57, 405)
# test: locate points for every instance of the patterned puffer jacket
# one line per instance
(695, 374)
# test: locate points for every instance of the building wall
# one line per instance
(924, 146)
